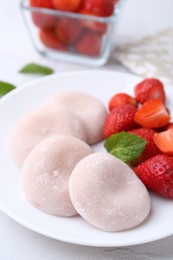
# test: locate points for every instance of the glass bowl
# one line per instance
(68, 36)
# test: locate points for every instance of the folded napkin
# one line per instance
(150, 56)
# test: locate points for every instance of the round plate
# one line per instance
(13, 107)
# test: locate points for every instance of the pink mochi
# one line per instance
(107, 193)
(41, 123)
(89, 109)
(46, 172)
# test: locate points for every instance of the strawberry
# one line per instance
(41, 3)
(150, 149)
(99, 7)
(50, 40)
(165, 127)
(44, 21)
(120, 99)
(115, 1)
(95, 26)
(67, 5)
(149, 89)
(68, 30)
(89, 44)
(169, 126)
(164, 141)
(152, 114)
(157, 174)
(120, 119)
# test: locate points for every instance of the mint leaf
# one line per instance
(33, 68)
(5, 88)
(125, 146)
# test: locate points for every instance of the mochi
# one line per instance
(41, 123)
(46, 172)
(107, 193)
(89, 108)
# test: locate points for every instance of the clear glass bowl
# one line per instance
(70, 36)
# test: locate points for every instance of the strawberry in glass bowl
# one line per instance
(72, 30)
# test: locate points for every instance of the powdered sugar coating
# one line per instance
(41, 123)
(108, 194)
(46, 172)
(89, 108)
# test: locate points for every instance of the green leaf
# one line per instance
(33, 68)
(5, 88)
(125, 146)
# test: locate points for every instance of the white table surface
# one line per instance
(137, 19)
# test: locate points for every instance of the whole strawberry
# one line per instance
(67, 5)
(157, 174)
(149, 89)
(121, 99)
(42, 20)
(150, 149)
(99, 7)
(50, 40)
(120, 119)
(41, 3)
(88, 39)
(68, 30)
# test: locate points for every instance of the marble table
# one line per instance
(17, 242)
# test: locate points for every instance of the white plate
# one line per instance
(75, 230)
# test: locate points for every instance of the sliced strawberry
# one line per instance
(150, 149)
(152, 114)
(121, 99)
(67, 5)
(68, 30)
(169, 126)
(164, 141)
(121, 118)
(149, 89)
(89, 44)
(157, 174)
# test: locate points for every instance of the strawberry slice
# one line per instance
(157, 174)
(169, 126)
(152, 114)
(164, 141)
(121, 99)
(149, 89)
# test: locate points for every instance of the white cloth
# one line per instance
(150, 56)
